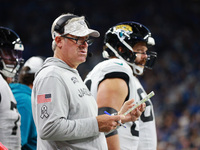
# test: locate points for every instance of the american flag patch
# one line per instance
(43, 98)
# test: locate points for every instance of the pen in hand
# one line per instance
(121, 124)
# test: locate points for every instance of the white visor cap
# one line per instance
(77, 27)
(34, 63)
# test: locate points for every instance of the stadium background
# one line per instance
(174, 25)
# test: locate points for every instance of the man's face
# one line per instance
(73, 51)
(140, 48)
(9, 56)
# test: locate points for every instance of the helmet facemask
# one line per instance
(11, 50)
(11, 61)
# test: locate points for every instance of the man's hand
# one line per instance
(107, 123)
(133, 115)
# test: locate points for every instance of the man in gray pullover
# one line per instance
(64, 111)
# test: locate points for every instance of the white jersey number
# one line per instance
(146, 116)
(13, 106)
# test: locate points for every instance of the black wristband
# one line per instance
(108, 109)
(112, 111)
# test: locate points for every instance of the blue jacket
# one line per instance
(22, 95)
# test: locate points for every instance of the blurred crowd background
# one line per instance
(175, 78)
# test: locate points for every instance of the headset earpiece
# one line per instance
(61, 23)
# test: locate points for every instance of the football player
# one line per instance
(11, 49)
(114, 81)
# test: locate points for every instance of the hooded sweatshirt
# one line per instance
(64, 110)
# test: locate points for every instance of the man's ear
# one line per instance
(58, 41)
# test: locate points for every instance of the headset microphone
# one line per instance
(90, 54)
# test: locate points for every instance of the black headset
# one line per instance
(61, 23)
